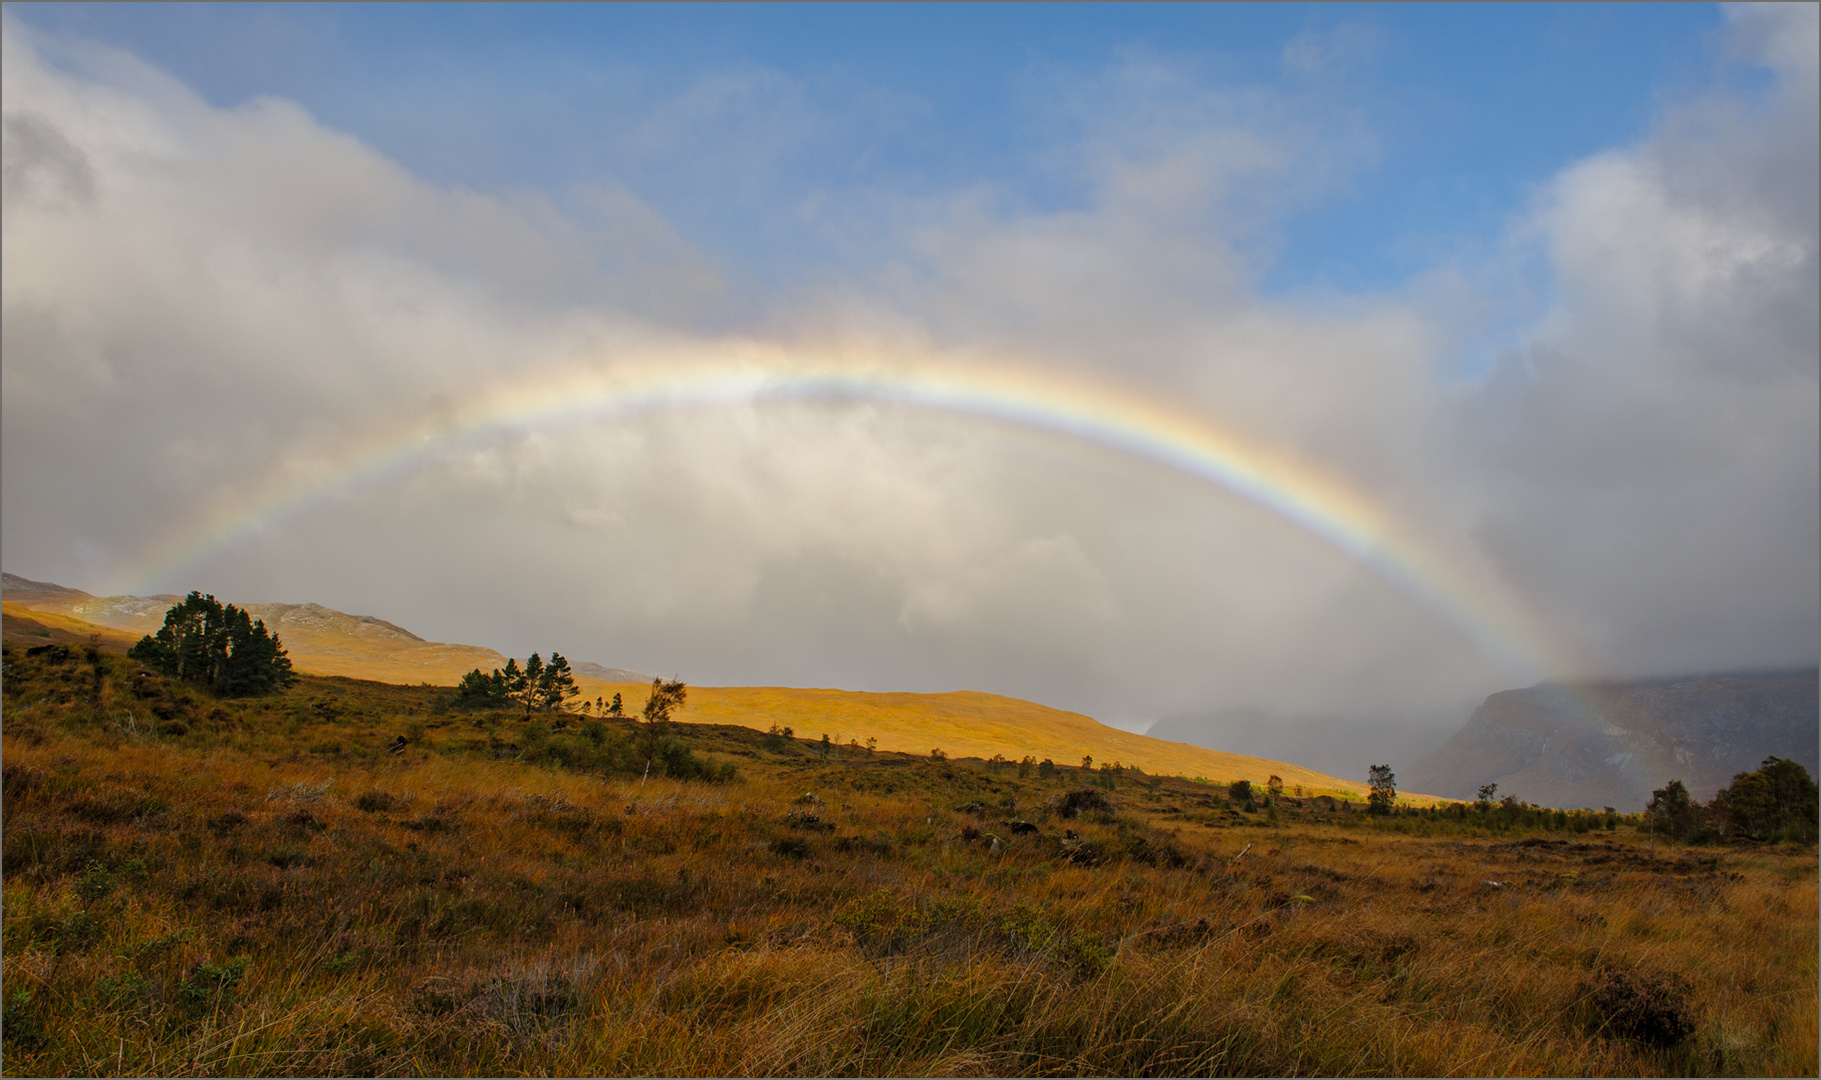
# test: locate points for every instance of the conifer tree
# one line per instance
(557, 683)
(666, 698)
(1384, 789)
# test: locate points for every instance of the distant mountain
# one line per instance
(607, 674)
(142, 613)
(1611, 744)
(18, 588)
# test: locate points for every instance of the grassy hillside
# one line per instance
(280, 886)
(28, 628)
(972, 724)
(322, 641)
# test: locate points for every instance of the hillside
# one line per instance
(1611, 744)
(27, 628)
(320, 639)
(972, 724)
(963, 724)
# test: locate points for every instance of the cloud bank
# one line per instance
(197, 299)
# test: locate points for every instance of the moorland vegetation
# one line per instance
(362, 878)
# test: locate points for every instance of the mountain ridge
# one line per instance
(1610, 743)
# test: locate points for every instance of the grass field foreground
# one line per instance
(346, 880)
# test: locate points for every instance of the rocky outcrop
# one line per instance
(608, 674)
(1611, 744)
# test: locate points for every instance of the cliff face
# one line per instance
(1611, 744)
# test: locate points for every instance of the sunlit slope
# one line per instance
(29, 628)
(966, 724)
(323, 641)
(319, 640)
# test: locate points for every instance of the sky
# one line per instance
(1304, 373)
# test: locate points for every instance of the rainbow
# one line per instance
(1105, 417)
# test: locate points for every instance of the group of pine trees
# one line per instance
(227, 651)
(538, 686)
(221, 648)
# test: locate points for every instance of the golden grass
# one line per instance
(28, 627)
(972, 724)
(443, 910)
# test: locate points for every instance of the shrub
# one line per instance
(1072, 803)
(206, 984)
(95, 883)
(19, 1023)
(790, 847)
(681, 763)
(1649, 1006)
(373, 802)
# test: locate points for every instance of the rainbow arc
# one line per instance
(1469, 601)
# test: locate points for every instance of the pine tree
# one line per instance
(557, 683)
(528, 687)
(665, 698)
(1384, 789)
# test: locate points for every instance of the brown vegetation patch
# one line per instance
(1649, 1006)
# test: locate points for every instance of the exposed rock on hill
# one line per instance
(608, 674)
(1611, 744)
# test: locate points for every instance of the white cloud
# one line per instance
(1651, 471)
(197, 299)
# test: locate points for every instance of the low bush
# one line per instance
(1649, 1006)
